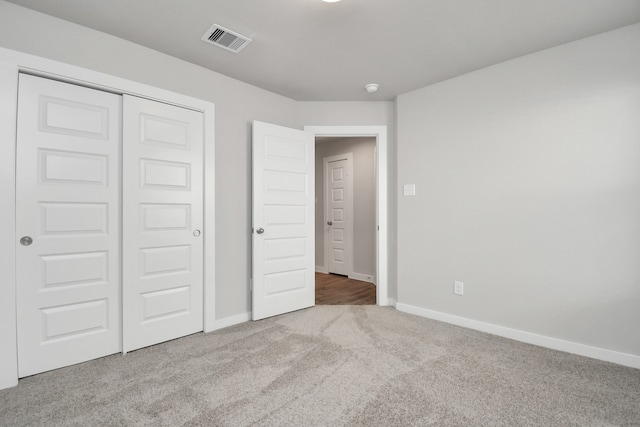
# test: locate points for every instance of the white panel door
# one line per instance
(162, 222)
(67, 217)
(283, 220)
(339, 206)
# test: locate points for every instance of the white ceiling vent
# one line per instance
(226, 39)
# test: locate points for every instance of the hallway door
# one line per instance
(339, 212)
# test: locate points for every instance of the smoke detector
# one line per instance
(371, 87)
(225, 38)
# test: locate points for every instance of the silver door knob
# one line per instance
(196, 232)
(260, 230)
(26, 241)
(329, 222)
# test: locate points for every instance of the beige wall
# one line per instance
(527, 177)
(364, 200)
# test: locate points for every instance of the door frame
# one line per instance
(12, 63)
(382, 190)
(349, 243)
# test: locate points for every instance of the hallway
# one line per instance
(333, 289)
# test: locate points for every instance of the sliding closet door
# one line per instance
(162, 222)
(67, 226)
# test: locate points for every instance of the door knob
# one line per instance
(196, 232)
(260, 230)
(26, 241)
(329, 222)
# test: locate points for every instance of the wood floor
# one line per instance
(332, 289)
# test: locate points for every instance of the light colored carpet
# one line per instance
(332, 366)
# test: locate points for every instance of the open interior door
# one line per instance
(283, 220)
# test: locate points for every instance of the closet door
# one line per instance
(162, 222)
(67, 226)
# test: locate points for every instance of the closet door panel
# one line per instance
(67, 224)
(162, 222)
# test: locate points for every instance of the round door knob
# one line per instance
(196, 232)
(26, 241)
(260, 230)
(329, 222)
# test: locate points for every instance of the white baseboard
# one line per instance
(526, 337)
(385, 301)
(231, 321)
(363, 277)
(321, 269)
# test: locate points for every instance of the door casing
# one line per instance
(382, 218)
(12, 63)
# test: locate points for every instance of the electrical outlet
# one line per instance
(458, 288)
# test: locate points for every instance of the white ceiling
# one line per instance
(309, 50)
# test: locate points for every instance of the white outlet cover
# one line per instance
(458, 288)
(409, 189)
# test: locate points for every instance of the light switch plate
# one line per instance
(409, 189)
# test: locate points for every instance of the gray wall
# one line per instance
(364, 200)
(527, 173)
(528, 190)
(237, 105)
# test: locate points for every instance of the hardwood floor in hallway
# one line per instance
(333, 289)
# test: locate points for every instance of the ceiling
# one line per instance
(309, 50)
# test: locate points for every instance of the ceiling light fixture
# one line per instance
(330, 1)
(372, 87)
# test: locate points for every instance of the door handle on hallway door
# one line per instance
(329, 222)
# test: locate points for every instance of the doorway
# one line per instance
(283, 215)
(345, 220)
(381, 243)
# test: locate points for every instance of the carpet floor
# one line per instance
(332, 366)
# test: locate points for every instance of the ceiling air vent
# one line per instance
(226, 39)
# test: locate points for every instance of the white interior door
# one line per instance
(162, 222)
(339, 201)
(283, 220)
(67, 217)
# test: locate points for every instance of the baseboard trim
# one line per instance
(363, 277)
(526, 337)
(231, 321)
(384, 301)
(321, 269)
